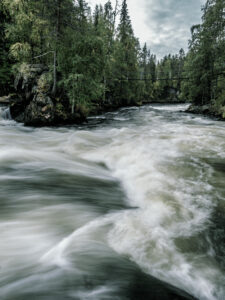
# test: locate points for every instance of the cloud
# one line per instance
(163, 24)
(169, 23)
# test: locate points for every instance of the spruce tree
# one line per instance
(204, 64)
(5, 64)
(126, 89)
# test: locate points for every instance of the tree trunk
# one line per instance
(54, 75)
(115, 15)
(57, 31)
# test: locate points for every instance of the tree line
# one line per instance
(94, 58)
(205, 60)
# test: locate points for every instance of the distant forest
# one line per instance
(94, 58)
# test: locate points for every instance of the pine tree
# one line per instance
(125, 67)
(204, 64)
(5, 64)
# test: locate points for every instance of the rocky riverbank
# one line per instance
(5, 100)
(209, 110)
(33, 103)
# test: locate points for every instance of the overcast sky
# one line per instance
(163, 24)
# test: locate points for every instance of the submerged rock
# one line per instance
(34, 104)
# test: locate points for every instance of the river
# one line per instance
(128, 206)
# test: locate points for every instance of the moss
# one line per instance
(44, 82)
(24, 71)
(60, 111)
(223, 112)
(83, 108)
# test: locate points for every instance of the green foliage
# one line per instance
(205, 61)
(92, 62)
(169, 74)
(5, 63)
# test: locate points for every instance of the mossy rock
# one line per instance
(60, 112)
(83, 109)
(44, 82)
(223, 112)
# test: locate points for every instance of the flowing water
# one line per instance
(128, 206)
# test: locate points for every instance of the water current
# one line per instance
(130, 205)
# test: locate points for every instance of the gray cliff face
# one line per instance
(34, 104)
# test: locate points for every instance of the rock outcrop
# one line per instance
(5, 100)
(34, 104)
(208, 109)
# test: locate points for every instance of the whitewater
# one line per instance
(130, 205)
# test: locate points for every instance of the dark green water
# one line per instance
(129, 206)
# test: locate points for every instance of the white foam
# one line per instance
(169, 206)
(161, 168)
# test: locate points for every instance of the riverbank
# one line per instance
(5, 100)
(35, 104)
(208, 110)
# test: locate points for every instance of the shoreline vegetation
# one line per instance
(60, 62)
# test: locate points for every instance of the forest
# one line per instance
(205, 61)
(94, 61)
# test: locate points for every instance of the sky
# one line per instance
(163, 24)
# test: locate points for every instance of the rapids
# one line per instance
(128, 206)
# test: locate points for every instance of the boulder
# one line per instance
(35, 105)
(40, 111)
(5, 100)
